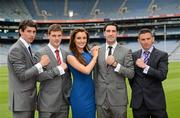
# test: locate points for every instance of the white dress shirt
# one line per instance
(61, 70)
(106, 54)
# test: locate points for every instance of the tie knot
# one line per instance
(29, 47)
(110, 50)
(56, 51)
(146, 52)
(110, 47)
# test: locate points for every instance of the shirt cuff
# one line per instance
(145, 71)
(61, 70)
(117, 67)
(39, 67)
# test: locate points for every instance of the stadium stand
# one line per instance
(14, 9)
(175, 54)
(162, 16)
(3, 53)
(83, 11)
(86, 9)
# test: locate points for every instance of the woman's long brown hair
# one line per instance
(73, 47)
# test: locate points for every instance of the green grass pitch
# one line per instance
(171, 87)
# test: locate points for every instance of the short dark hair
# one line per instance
(54, 27)
(145, 30)
(25, 23)
(111, 23)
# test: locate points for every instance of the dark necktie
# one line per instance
(146, 56)
(29, 48)
(58, 57)
(110, 50)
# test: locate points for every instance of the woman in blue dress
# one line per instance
(81, 63)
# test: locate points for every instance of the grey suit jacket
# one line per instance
(54, 88)
(22, 78)
(110, 83)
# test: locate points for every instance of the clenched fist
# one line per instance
(140, 63)
(94, 51)
(64, 66)
(110, 60)
(44, 60)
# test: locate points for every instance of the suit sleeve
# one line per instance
(47, 73)
(161, 71)
(22, 68)
(127, 69)
(95, 71)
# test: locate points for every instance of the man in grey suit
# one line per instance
(23, 72)
(113, 66)
(53, 94)
(151, 68)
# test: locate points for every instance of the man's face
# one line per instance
(55, 38)
(146, 40)
(28, 34)
(110, 34)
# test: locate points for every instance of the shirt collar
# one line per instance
(150, 49)
(24, 42)
(113, 46)
(52, 48)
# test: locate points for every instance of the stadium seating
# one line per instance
(14, 9)
(175, 54)
(3, 53)
(130, 15)
(83, 9)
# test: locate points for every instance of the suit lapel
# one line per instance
(153, 55)
(63, 55)
(136, 56)
(51, 56)
(26, 51)
(102, 55)
(139, 54)
(117, 51)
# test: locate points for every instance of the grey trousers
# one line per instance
(23, 114)
(62, 113)
(106, 110)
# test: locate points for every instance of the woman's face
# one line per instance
(80, 40)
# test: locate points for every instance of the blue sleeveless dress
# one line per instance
(82, 97)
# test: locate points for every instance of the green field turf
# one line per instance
(171, 87)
